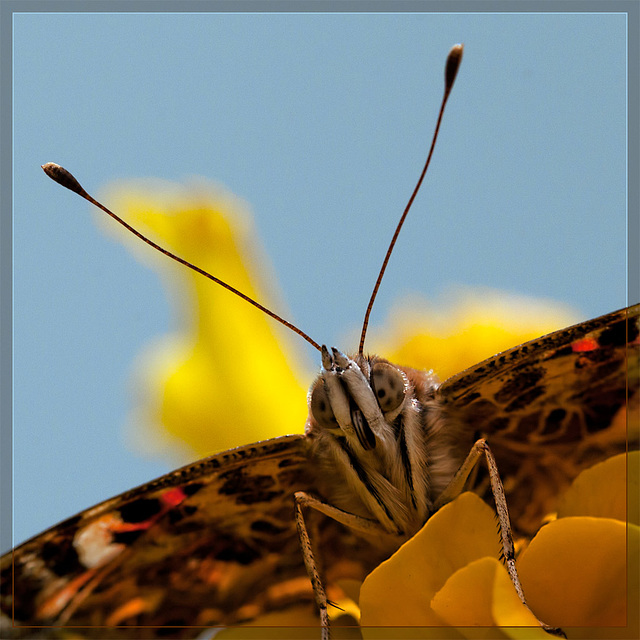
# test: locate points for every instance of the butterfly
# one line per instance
(217, 542)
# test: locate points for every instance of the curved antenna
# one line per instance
(63, 177)
(451, 69)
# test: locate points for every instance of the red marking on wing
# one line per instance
(585, 344)
(169, 499)
(173, 497)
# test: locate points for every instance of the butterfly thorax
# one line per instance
(379, 440)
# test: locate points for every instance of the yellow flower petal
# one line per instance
(601, 491)
(574, 572)
(399, 591)
(227, 377)
(482, 594)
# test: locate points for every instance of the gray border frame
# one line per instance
(8, 7)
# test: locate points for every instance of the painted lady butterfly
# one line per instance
(216, 543)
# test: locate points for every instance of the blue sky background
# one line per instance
(321, 123)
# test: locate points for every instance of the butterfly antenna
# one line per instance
(63, 177)
(451, 69)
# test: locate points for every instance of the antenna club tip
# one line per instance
(48, 167)
(62, 177)
(453, 64)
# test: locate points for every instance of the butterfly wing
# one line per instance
(551, 407)
(215, 542)
(211, 543)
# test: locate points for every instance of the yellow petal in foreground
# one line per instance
(400, 590)
(482, 594)
(574, 572)
(601, 491)
(227, 376)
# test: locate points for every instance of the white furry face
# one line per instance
(373, 437)
(357, 401)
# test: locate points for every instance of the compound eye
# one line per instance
(321, 407)
(389, 386)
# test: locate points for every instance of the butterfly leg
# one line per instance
(455, 487)
(359, 523)
(312, 570)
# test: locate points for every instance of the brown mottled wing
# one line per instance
(211, 543)
(551, 407)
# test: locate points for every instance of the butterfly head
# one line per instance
(358, 398)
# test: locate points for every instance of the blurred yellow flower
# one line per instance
(464, 327)
(227, 376)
